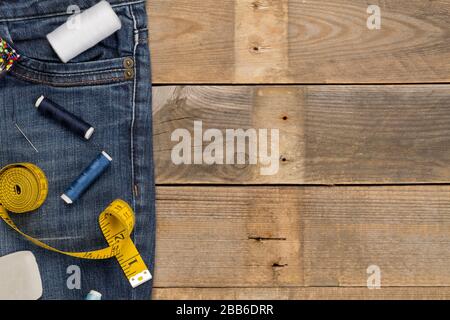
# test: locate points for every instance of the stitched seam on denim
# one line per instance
(73, 74)
(145, 35)
(136, 43)
(68, 84)
(58, 14)
(91, 71)
(134, 107)
(71, 84)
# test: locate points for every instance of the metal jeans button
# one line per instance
(128, 63)
(129, 74)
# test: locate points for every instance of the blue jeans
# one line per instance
(112, 94)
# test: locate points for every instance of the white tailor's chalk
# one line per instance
(83, 31)
(20, 278)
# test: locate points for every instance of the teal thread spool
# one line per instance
(87, 178)
(94, 295)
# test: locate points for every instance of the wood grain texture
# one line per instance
(302, 236)
(316, 242)
(328, 134)
(293, 41)
(191, 39)
(301, 293)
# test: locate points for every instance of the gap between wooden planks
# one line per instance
(293, 41)
(301, 293)
(361, 134)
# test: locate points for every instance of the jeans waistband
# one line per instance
(31, 9)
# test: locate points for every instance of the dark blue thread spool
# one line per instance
(87, 178)
(74, 123)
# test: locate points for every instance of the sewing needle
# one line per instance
(18, 128)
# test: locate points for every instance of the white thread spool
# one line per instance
(88, 29)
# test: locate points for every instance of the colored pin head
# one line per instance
(8, 56)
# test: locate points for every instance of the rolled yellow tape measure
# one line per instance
(24, 188)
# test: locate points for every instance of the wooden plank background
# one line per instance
(328, 134)
(295, 41)
(364, 122)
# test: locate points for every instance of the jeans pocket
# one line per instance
(107, 62)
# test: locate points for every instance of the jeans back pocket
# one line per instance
(107, 62)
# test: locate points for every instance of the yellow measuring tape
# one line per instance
(24, 188)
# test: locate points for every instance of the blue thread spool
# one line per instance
(74, 123)
(87, 178)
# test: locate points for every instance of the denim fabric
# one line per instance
(97, 87)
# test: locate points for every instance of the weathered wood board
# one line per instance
(293, 41)
(328, 134)
(302, 236)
